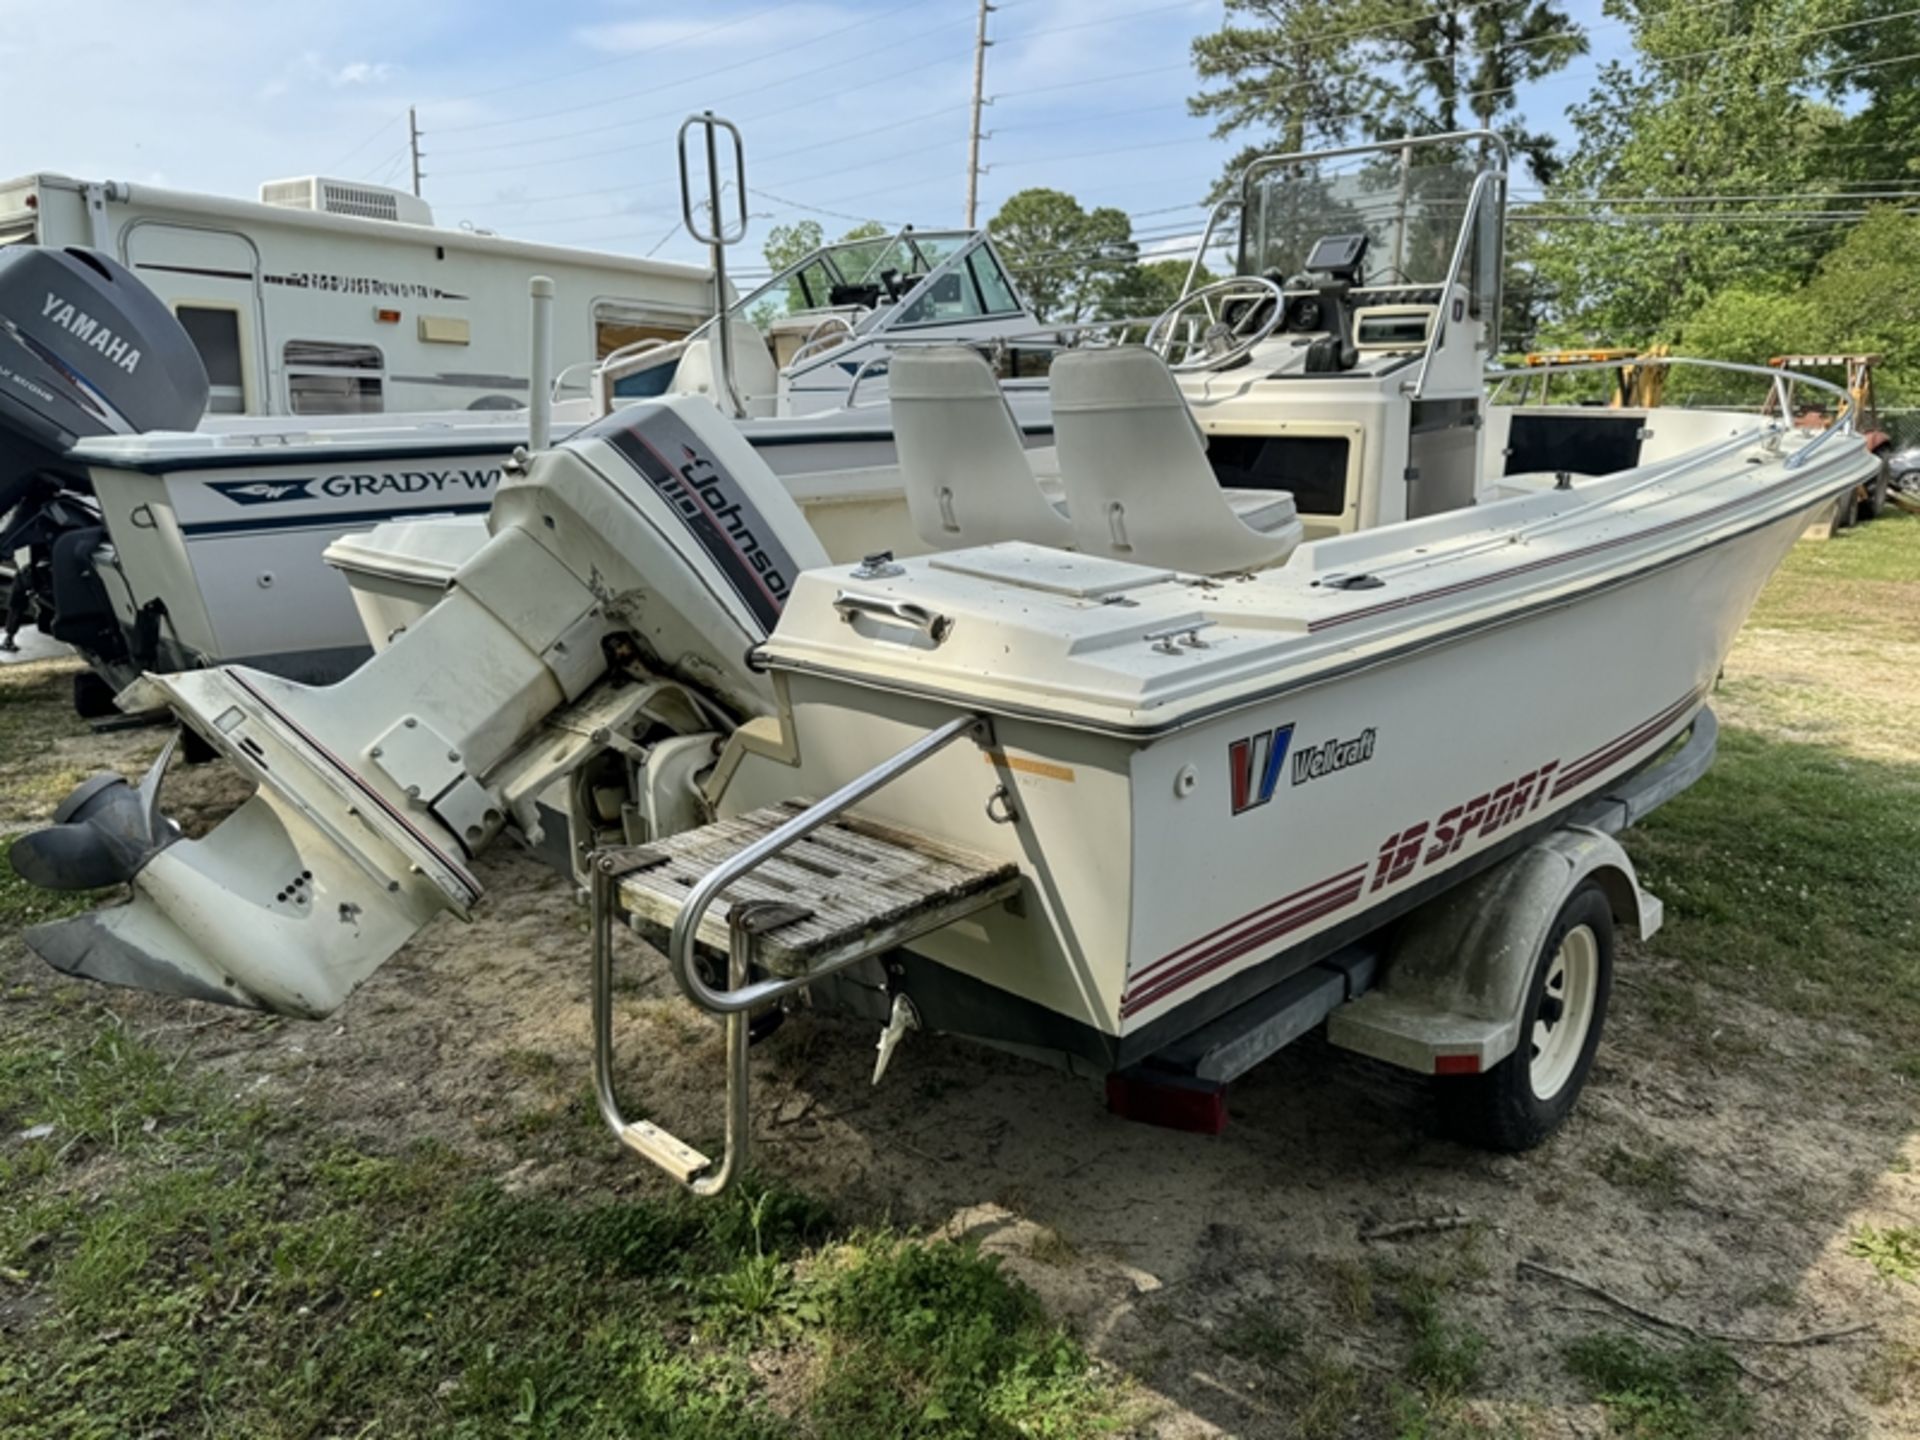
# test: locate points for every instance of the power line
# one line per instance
(653, 144)
(621, 58)
(820, 210)
(385, 125)
(1844, 69)
(707, 74)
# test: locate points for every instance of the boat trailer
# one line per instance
(812, 889)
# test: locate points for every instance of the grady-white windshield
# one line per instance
(869, 274)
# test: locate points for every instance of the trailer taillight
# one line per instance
(1178, 1102)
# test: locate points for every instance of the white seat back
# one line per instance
(755, 377)
(1135, 466)
(962, 460)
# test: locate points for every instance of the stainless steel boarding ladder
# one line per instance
(861, 888)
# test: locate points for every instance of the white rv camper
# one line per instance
(330, 297)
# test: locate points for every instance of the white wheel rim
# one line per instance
(1566, 1011)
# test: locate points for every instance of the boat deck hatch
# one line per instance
(1057, 572)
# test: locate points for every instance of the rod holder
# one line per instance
(540, 365)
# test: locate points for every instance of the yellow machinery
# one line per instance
(1635, 387)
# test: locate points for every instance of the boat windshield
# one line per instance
(1410, 202)
(866, 274)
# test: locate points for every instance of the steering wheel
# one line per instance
(832, 330)
(1223, 342)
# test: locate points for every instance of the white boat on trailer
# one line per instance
(1118, 806)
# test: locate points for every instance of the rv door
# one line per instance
(20, 212)
(210, 279)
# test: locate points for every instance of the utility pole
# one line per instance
(980, 43)
(413, 144)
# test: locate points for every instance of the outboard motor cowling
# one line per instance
(85, 349)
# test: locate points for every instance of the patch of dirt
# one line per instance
(1820, 689)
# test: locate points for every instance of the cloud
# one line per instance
(361, 72)
(792, 23)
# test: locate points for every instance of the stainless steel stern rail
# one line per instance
(693, 1169)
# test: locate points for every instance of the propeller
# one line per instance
(102, 834)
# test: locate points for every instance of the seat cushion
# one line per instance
(1262, 510)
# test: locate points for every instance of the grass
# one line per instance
(1688, 1394)
(1787, 873)
(1256, 1333)
(22, 904)
(1894, 1252)
(200, 1270)
(1659, 1173)
(1862, 580)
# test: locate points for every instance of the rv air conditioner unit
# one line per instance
(347, 197)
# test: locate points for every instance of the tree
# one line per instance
(1312, 72)
(1872, 73)
(1064, 258)
(1863, 299)
(1297, 71)
(1461, 65)
(1689, 157)
(787, 244)
(1145, 290)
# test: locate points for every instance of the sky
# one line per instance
(556, 122)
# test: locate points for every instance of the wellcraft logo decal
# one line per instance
(1253, 766)
(1332, 757)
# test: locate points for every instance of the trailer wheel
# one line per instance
(194, 750)
(1875, 504)
(1526, 1097)
(92, 697)
(1847, 512)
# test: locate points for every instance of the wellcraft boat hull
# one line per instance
(1174, 872)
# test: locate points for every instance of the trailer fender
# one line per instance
(1452, 990)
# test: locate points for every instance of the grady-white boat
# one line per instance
(1147, 778)
(181, 539)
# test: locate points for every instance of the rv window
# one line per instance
(216, 335)
(326, 377)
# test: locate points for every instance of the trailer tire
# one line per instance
(1504, 1108)
(194, 750)
(1848, 514)
(1875, 504)
(92, 697)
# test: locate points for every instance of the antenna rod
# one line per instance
(980, 43)
(413, 145)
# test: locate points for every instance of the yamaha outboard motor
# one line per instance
(85, 349)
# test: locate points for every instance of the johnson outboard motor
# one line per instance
(85, 349)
